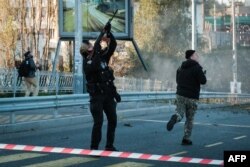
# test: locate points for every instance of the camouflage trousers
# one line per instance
(188, 107)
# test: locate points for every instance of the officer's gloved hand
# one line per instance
(117, 97)
(107, 27)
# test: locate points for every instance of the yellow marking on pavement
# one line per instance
(4, 119)
(130, 164)
(24, 118)
(63, 162)
(215, 144)
(179, 153)
(19, 117)
(47, 116)
(18, 157)
(240, 137)
(37, 117)
(34, 117)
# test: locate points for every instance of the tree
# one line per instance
(161, 22)
(8, 33)
(161, 29)
(38, 19)
(51, 20)
(146, 24)
(24, 23)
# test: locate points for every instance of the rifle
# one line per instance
(99, 38)
(112, 17)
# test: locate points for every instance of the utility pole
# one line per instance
(235, 85)
(215, 21)
(193, 24)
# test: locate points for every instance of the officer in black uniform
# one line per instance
(100, 86)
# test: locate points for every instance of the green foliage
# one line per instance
(8, 34)
(162, 30)
(69, 21)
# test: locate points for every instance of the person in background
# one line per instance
(30, 80)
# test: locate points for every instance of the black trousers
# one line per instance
(98, 105)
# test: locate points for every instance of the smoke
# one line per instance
(218, 66)
(163, 68)
(169, 35)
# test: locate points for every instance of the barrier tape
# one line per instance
(110, 154)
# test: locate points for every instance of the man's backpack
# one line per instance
(23, 70)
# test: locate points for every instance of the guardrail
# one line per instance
(57, 101)
(14, 105)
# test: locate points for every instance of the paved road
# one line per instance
(215, 130)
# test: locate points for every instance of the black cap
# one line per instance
(189, 53)
(27, 53)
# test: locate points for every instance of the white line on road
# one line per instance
(147, 120)
(240, 137)
(179, 153)
(236, 126)
(215, 144)
(196, 123)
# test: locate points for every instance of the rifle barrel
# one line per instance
(113, 16)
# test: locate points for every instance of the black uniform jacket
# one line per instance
(94, 66)
(189, 77)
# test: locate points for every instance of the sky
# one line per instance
(227, 1)
(220, 1)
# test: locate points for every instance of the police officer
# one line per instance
(189, 78)
(100, 86)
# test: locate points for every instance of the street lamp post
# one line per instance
(234, 85)
(194, 21)
(215, 21)
(193, 24)
(234, 44)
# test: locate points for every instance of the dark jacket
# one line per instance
(189, 77)
(95, 65)
(32, 67)
(99, 75)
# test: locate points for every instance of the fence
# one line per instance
(63, 82)
(218, 39)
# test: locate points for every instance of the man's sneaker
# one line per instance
(171, 122)
(186, 142)
(111, 148)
